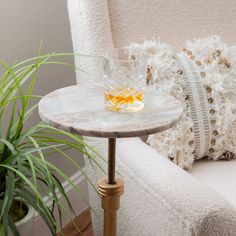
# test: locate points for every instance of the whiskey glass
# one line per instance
(124, 75)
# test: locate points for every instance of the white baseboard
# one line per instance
(78, 204)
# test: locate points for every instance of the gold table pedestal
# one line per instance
(110, 190)
(110, 194)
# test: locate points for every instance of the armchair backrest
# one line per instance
(100, 24)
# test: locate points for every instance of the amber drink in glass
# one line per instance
(124, 74)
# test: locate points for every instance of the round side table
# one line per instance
(80, 110)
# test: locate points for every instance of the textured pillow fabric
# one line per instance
(202, 77)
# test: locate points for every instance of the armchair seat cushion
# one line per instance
(219, 176)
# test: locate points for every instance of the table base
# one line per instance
(110, 194)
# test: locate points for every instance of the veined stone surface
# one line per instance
(80, 109)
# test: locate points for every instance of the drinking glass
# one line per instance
(124, 74)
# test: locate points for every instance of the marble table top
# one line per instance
(80, 109)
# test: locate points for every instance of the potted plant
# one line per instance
(24, 165)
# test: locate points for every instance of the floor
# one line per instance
(83, 221)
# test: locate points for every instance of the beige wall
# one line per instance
(22, 25)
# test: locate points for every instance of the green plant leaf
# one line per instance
(9, 145)
(8, 134)
(1, 230)
(8, 196)
(5, 224)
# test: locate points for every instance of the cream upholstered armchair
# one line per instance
(160, 198)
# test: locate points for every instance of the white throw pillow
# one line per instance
(202, 77)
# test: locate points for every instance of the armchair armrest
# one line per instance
(162, 199)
